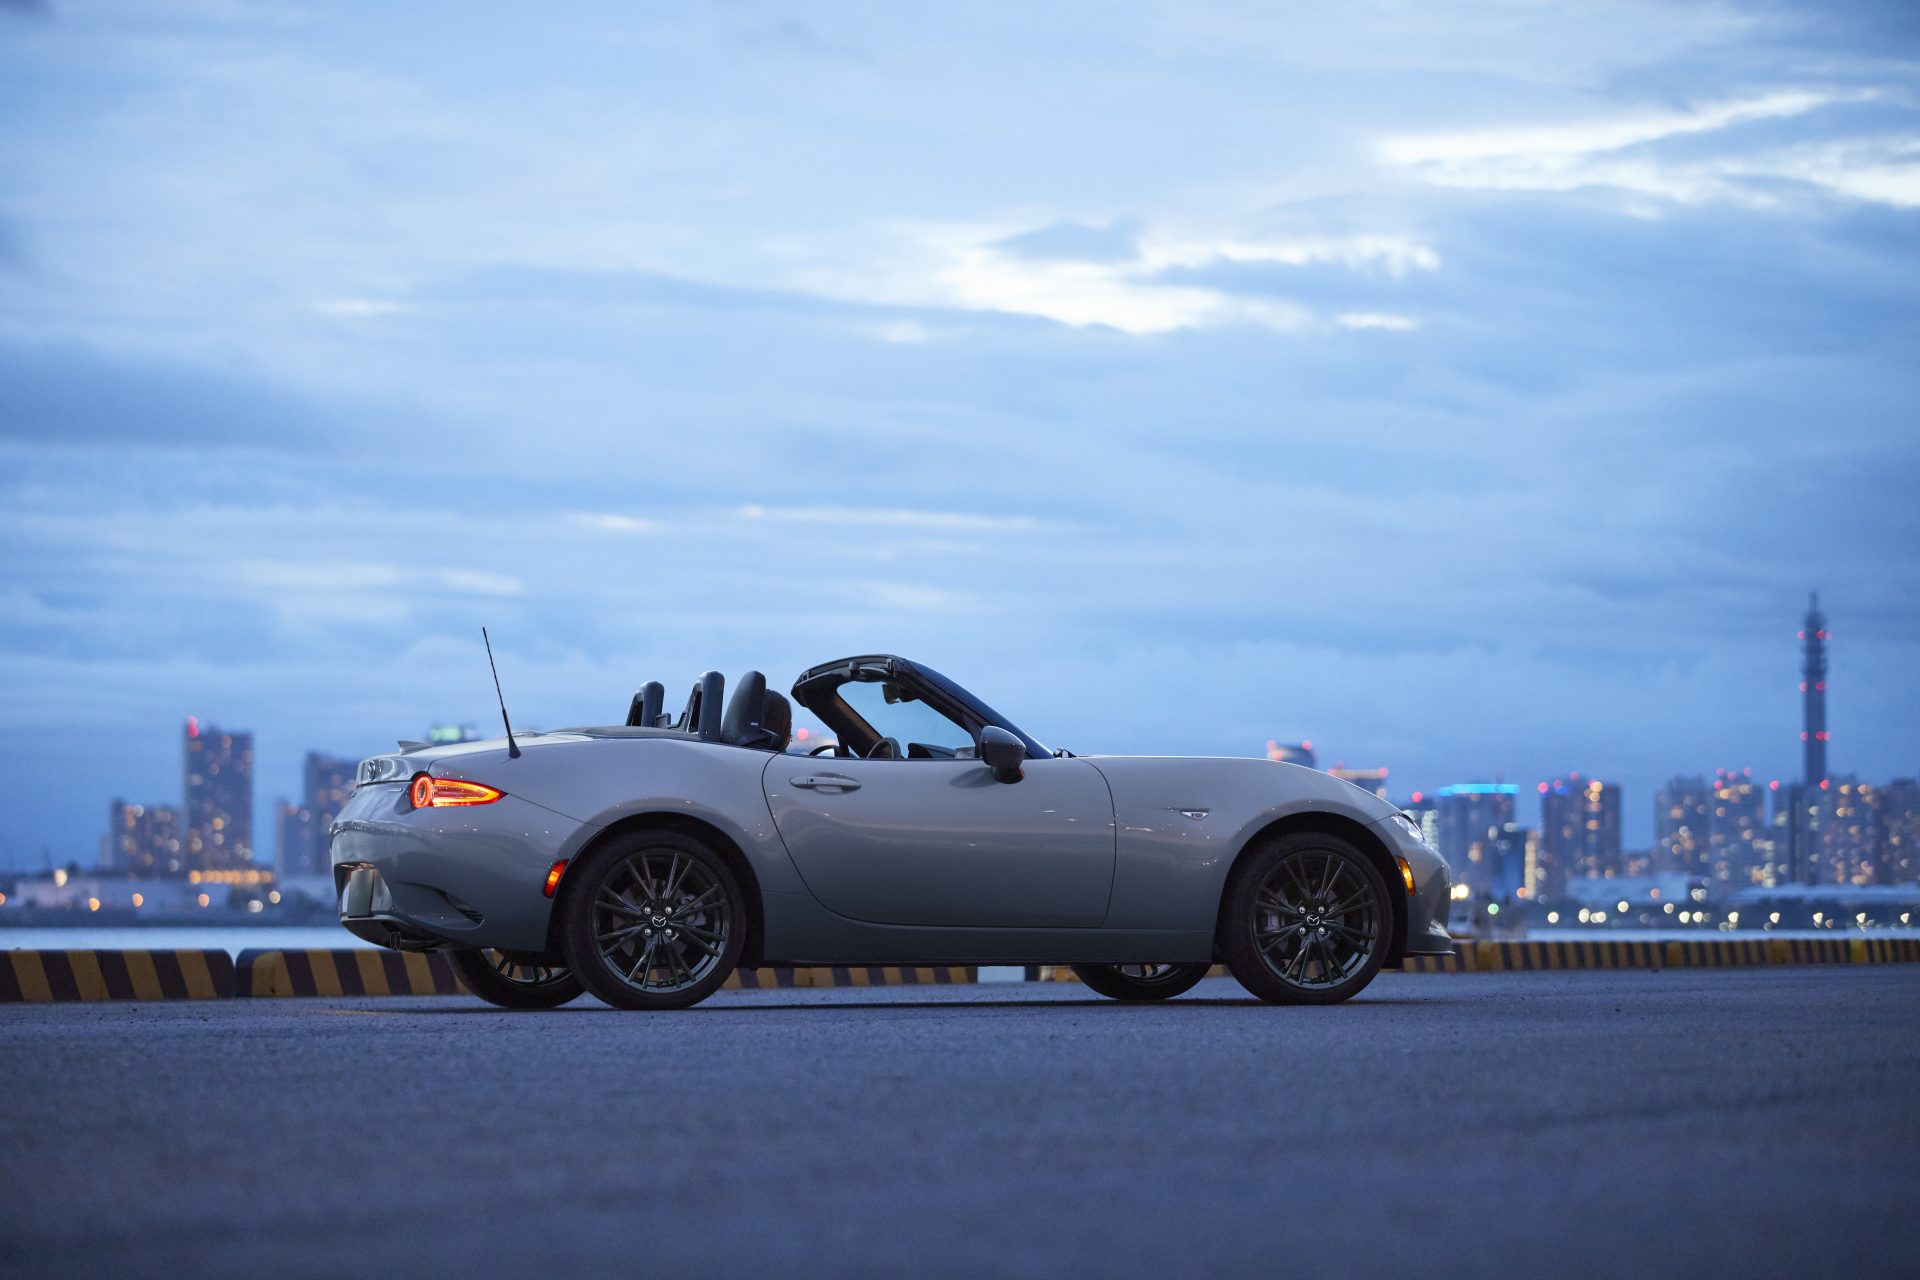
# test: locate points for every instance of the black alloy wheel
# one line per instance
(652, 920)
(1140, 981)
(514, 980)
(1306, 921)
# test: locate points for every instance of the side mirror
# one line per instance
(1003, 753)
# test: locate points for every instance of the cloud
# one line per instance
(360, 308)
(951, 521)
(1636, 153)
(612, 522)
(1376, 320)
(1085, 277)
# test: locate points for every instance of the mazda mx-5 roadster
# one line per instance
(644, 862)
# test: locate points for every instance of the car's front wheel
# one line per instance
(1140, 981)
(652, 920)
(1306, 921)
(514, 981)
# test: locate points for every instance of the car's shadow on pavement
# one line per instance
(1118, 1007)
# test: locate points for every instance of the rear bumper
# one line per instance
(417, 880)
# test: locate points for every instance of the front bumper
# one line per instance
(420, 879)
(1432, 895)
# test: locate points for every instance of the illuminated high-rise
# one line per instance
(142, 839)
(217, 817)
(1682, 832)
(326, 782)
(1737, 829)
(1472, 816)
(1580, 827)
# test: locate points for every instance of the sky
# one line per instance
(1476, 390)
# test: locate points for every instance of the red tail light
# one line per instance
(430, 792)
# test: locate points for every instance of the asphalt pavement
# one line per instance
(1742, 1122)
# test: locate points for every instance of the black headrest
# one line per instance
(777, 720)
(645, 708)
(745, 724)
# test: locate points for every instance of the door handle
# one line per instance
(824, 781)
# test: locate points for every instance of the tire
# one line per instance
(1146, 982)
(652, 920)
(514, 981)
(1306, 920)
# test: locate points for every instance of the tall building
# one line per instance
(1813, 692)
(1682, 833)
(1507, 862)
(1471, 816)
(218, 814)
(1737, 829)
(1847, 837)
(1900, 831)
(1580, 828)
(143, 840)
(326, 782)
(1807, 803)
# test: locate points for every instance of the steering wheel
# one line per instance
(825, 748)
(886, 749)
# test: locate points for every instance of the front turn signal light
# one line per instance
(1406, 873)
(429, 792)
(553, 876)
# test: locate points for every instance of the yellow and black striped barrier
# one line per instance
(772, 976)
(37, 976)
(344, 972)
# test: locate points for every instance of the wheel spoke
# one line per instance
(644, 965)
(1348, 904)
(699, 903)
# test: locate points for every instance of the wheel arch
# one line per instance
(684, 824)
(1357, 834)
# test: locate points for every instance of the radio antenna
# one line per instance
(513, 748)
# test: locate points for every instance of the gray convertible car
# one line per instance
(644, 862)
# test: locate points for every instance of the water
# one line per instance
(230, 939)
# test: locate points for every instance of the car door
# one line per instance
(942, 842)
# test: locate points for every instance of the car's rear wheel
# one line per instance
(652, 920)
(1306, 921)
(513, 980)
(1140, 981)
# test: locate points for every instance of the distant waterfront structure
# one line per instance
(1471, 816)
(142, 839)
(441, 735)
(326, 782)
(1580, 828)
(1292, 752)
(217, 816)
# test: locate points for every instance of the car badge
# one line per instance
(1196, 814)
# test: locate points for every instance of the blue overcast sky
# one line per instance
(1475, 389)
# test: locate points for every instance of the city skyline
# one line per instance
(1732, 832)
